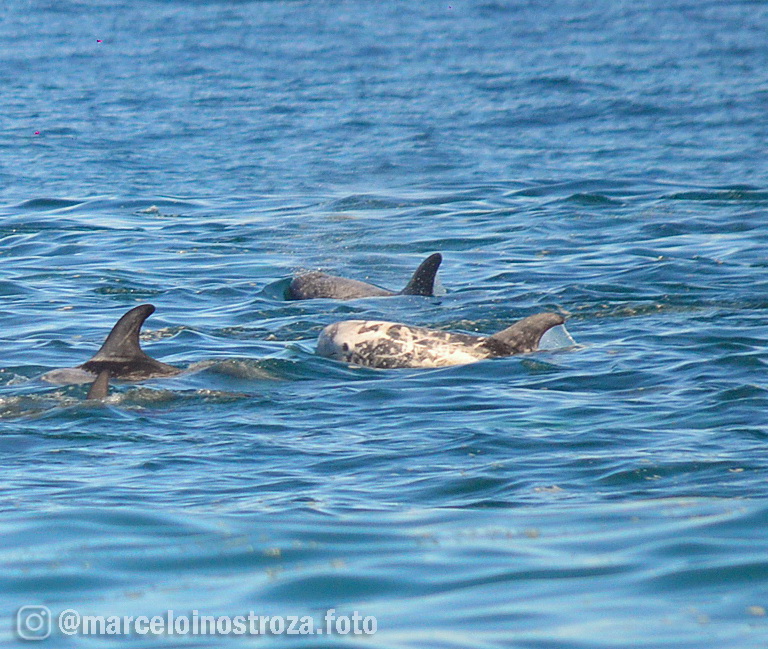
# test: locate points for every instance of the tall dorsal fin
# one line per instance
(121, 352)
(100, 387)
(524, 336)
(423, 280)
(122, 344)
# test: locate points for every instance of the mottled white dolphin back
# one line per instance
(381, 344)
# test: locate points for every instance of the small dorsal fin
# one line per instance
(100, 387)
(423, 280)
(524, 336)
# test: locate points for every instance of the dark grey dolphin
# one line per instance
(120, 356)
(316, 284)
(391, 344)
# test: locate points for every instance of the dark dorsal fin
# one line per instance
(524, 336)
(121, 352)
(100, 387)
(122, 344)
(423, 280)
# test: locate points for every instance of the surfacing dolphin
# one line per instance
(121, 357)
(384, 345)
(317, 284)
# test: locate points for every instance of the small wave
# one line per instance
(364, 202)
(736, 195)
(148, 397)
(127, 290)
(243, 369)
(73, 397)
(48, 204)
(592, 200)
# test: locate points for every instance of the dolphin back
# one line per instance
(321, 285)
(423, 280)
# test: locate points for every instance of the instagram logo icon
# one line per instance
(33, 622)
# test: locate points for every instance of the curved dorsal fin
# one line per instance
(100, 387)
(122, 344)
(524, 336)
(423, 280)
(121, 352)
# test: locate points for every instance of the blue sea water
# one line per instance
(603, 159)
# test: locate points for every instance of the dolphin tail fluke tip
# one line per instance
(524, 336)
(100, 387)
(423, 280)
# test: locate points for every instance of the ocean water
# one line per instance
(605, 159)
